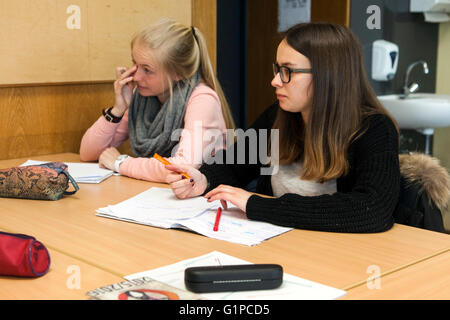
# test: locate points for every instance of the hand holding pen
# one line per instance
(183, 187)
(195, 186)
(166, 162)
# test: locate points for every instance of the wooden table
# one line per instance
(67, 279)
(427, 279)
(70, 227)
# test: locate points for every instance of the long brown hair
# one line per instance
(342, 98)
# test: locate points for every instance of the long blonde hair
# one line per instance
(182, 51)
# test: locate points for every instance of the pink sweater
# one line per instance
(203, 124)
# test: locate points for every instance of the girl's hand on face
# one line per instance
(237, 196)
(123, 89)
(183, 187)
(108, 158)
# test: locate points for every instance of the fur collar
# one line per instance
(427, 172)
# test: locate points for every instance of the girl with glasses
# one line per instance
(338, 147)
(165, 103)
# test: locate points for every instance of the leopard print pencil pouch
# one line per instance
(47, 181)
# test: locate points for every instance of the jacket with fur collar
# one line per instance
(425, 192)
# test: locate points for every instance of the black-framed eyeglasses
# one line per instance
(285, 72)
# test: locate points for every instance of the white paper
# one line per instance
(291, 12)
(292, 288)
(158, 207)
(158, 204)
(81, 172)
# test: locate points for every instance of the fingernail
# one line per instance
(192, 180)
(183, 177)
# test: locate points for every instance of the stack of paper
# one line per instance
(159, 207)
(292, 288)
(81, 172)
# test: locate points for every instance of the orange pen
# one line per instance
(164, 161)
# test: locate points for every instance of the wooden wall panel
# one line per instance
(48, 119)
(204, 17)
(53, 41)
(336, 11)
(262, 44)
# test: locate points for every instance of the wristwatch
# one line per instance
(110, 117)
(119, 161)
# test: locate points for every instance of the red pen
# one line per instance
(218, 214)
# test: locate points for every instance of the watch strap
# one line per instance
(119, 161)
(110, 117)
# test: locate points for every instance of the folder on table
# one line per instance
(81, 172)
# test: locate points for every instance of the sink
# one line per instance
(420, 111)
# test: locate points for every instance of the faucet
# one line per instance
(411, 88)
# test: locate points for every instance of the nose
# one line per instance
(276, 81)
(137, 75)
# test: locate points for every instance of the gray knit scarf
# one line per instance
(151, 124)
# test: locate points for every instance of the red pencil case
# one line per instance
(22, 256)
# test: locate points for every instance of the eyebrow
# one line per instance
(287, 64)
(144, 65)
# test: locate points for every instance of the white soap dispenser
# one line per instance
(384, 60)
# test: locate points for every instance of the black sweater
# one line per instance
(365, 199)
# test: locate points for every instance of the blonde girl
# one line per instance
(169, 102)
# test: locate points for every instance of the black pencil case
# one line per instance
(233, 277)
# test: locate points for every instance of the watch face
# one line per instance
(110, 117)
